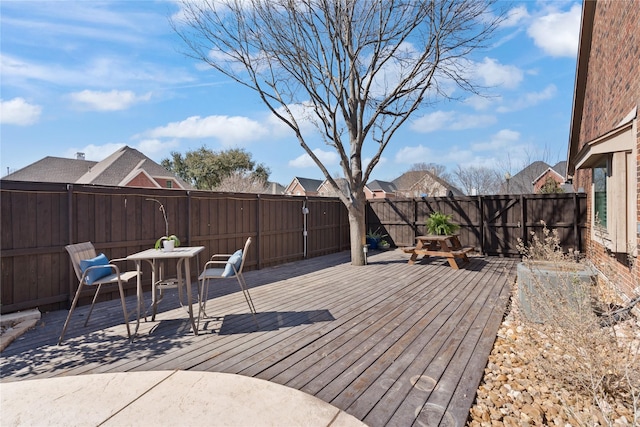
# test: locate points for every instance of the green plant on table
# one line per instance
(166, 237)
(440, 224)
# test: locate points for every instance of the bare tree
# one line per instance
(481, 179)
(242, 182)
(355, 69)
(438, 170)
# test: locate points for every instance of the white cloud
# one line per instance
(503, 140)
(492, 73)
(328, 159)
(229, 131)
(450, 120)
(104, 71)
(515, 16)
(473, 121)
(17, 111)
(433, 121)
(108, 101)
(481, 103)
(530, 99)
(411, 155)
(153, 147)
(557, 33)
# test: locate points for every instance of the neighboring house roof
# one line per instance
(376, 185)
(326, 189)
(561, 168)
(52, 169)
(308, 185)
(119, 169)
(275, 188)
(558, 170)
(416, 180)
(522, 182)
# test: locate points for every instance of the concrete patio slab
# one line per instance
(164, 398)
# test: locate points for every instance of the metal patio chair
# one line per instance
(97, 271)
(225, 266)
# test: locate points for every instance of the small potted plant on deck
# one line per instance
(440, 224)
(374, 238)
(167, 242)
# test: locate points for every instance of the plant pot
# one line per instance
(168, 245)
(373, 243)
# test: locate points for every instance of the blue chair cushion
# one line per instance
(96, 273)
(234, 260)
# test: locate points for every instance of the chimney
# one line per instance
(79, 156)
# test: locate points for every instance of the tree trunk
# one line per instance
(357, 232)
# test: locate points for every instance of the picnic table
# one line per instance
(447, 246)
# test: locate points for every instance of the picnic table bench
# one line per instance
(447, 246)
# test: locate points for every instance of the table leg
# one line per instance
(154, 285)
(138, 296)
(189, 304)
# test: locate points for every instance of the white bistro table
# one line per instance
(154, 256)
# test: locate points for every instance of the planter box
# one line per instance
(546, 287)
(373, 243)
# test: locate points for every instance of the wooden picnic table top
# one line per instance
(387, 343)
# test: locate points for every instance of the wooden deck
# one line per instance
(390, 343)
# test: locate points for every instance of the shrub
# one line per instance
(440, 224)
(584, 353)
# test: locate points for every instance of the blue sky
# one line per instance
(91, 76)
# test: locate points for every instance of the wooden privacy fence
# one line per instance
(39, 219)
(491, 224)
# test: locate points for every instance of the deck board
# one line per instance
(390, 343)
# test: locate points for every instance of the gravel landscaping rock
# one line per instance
(515, 390)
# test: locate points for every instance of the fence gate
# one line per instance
(503, 224)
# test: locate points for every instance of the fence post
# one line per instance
(70, 221)
(523, 218)
(189, 218)
(481, 237)
(576, 227)
(258, 231)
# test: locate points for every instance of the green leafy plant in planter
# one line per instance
(374, 238)
(440, 224)
(383, 244)
(160, 243)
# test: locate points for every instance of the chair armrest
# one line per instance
(213, 263)
(112, 266)
(220, 256)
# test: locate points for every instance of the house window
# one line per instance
(612, 160)
(169, 184)
(600, 194)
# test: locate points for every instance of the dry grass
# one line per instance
(590, 355)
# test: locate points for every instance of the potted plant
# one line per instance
(167, 242)
(374, 238)
(384, 245)
(440, 224)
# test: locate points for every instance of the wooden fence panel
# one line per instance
(492, 224)
(326, 222)
(38, 220)
(281, 230)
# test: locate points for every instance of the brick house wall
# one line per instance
(141, 180)
(543, 180)
(612, 91)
